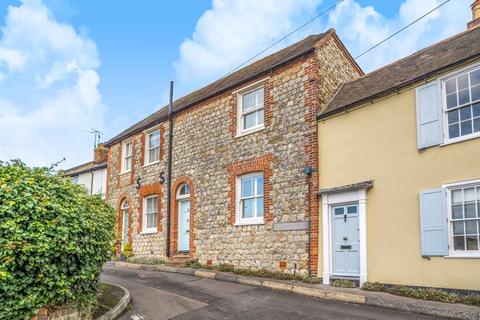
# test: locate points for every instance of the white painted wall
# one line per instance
(99, 181)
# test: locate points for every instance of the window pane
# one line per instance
(469, 194)
(249, 120)
(475, 77)
(451, 86)
(462, 82)
(471, 226)
(352, 209)
(478, 193)
(463, 96)
(259, 185)
(457, 196)
(472, 243)
(154, 139)
(260, 207)
(475, 93)
(470, 210)
(458, 228)
(338, 211)
(465, 113)
(466, 127)
(476, 124)
(248, 101)
(452, 116)
(151, 220)
(451, 100)
(247, 187)
(260, 118)
(259, 96)
(476, 110)
(453, 131)
(457, 211)
(154, 155)
(459, 243)
(247, 208)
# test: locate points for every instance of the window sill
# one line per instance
(124, 172)
(460, 139)
(151, 164)
(245, 133)
(146, 232)
(249, 223)
(463, 256)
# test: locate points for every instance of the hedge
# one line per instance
(54, 239)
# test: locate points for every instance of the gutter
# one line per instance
(169, 173)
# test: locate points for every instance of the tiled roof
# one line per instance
(247, 73)
(453, 51)
(86, 167)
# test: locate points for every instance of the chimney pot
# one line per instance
(475, 15)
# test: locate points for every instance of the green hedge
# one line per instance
(54, 239)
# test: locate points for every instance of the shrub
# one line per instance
(127, 250)
(373, 286)
(473, 299)
(54, 239)
(194, 264)
(225, 267)
(343, 283)
(146, 260)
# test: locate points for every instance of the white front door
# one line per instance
(184, 225)
(345, 241)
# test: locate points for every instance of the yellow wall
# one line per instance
(378, 142)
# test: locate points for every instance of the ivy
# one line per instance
(54, 239)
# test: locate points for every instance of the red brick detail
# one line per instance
(267, 107)
(162, 142)
(312, 104)
(132, 172)
(148, 190)
(100, 153)
(282, 264)
(123, 196)
(109, 170)
(239, 168)
(209, 262)
(119, 164)
(42, 314)
(174, 216)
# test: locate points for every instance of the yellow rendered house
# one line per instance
(399, 171)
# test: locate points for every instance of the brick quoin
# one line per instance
(174, 216)
(263, 164)
(145, 191)
(107, 183)
(122, 197)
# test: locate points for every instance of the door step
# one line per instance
(179, 260)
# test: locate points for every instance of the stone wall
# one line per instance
(207, 154)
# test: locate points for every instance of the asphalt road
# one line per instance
(162, 295)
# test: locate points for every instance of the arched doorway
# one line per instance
(183, 205)
(125, 222)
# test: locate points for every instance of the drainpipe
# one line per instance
(91, 182)
(308, 171)
(169, 169)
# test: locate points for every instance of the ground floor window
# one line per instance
(250, 204)
(464, 212)
(150, 212)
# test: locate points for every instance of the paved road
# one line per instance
(162, 295)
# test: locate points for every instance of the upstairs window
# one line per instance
(462, 104)
(251, 110)
(127, 156)
(250, 199)
(152, 147)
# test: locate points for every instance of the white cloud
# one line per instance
(49, 92)
(362, 27)
(232, 31)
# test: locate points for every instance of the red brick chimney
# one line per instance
(100, 153)
(475, 15)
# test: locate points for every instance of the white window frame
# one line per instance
(75, 179)
(146, 230)
(239, 220)
(448, 191)
(125, 156)
(148, 148)
(240, 114)
(442, 81)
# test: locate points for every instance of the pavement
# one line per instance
(164, 295)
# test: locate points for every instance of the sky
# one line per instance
(67, 66)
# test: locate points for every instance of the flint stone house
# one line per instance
(399, 154)
(239, 194)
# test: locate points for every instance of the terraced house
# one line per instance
(399, 155)
(242, 189)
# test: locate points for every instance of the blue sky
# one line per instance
(69, 65)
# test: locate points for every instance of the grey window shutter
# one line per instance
(429, 115)
(433, 223)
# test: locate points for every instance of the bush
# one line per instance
(225, 267)
(343, 283)
(146, 260)
(127, 250)
(373, 286)
(54, 239)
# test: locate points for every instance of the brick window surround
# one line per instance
(124, 196)
(174, 216)
(145, 191)
(262, 164)
(267, 105)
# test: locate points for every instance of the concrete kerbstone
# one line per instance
(277, 285)
(205, 274)
(120, 307)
